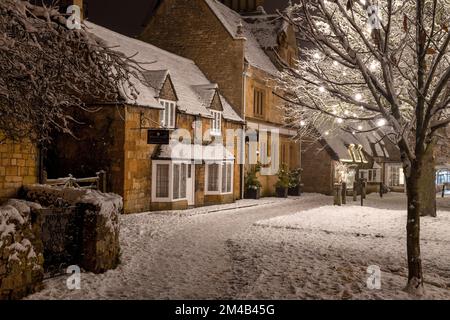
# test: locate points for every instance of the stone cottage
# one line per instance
(239, 50)
(365, 155)
(176, 99)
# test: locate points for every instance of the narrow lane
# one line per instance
(175, 257)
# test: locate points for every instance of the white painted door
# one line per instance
(190, 184)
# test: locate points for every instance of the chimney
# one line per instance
(243, 6)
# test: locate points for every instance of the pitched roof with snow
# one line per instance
(267, 29)
(184, 73)
(339, 141)
(231, 20)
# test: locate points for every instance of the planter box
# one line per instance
(253, 194)
(282, 192)
(295, 191)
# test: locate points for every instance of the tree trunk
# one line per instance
(427, 185)
(415, 276)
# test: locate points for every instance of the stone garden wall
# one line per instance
(21, 251)
(21, 246)
(101, 249)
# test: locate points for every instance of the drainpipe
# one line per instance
(244, 111)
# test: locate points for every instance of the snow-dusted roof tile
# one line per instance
(339, 140)
(254, 54)
(184, 73)
(156, 78)
(266, 29)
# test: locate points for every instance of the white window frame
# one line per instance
(401, 178)
(216, 123)
(169, 123)
(220, 178)
(367, 174)
(171, 164)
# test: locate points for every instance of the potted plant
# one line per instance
(252, 184)
(282, 184)
(295, 182)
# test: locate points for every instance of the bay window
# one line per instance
(170, 181)
(371, 175)
(395, 176)
(443, 177)
(162, 180)
(219, 178)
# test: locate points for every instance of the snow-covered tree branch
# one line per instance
(48, 71)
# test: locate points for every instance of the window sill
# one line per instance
(167, 200)
(215, 133)
(217, 193)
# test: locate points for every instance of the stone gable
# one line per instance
(216, 104)
(190, 29)
(167, 91)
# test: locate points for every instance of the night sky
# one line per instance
(128, 17)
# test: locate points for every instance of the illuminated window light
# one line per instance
(381, 122)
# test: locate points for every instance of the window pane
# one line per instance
(224, 178)
(166, 114)
(258, 103)
(172, 115)
(229, 174)
(162, 181)
(216, 121)
(213, 177)
(176, 181)
(183, 181)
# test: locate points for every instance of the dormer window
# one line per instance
(168, 115)
(216, 122)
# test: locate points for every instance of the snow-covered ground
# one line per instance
(272, 248)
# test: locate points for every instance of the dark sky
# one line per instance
(127, 17)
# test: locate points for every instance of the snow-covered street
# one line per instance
(271, 249)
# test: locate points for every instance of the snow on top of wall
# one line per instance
(254, 54)
(10, 214)
(5, 227)
(110, 204)
(184, 73)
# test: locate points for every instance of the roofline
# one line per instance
(233, 36)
